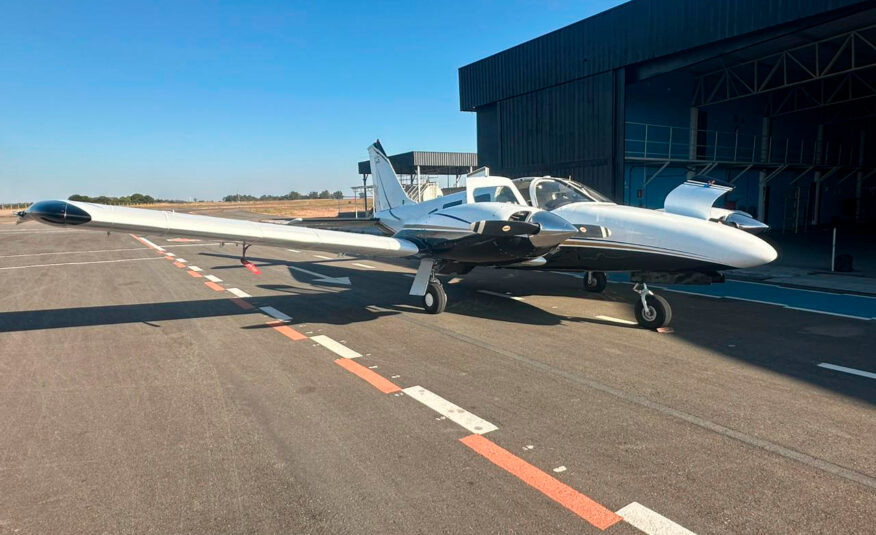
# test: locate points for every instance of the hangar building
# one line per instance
(775, 96)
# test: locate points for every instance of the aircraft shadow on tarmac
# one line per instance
(780, 341)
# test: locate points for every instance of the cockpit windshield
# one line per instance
(551, 193)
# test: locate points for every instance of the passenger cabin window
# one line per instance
(551, 194)
(494, 194)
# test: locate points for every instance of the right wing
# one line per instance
(158, 223)
(370, 225)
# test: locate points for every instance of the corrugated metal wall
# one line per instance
(563, 130)
(637, 31)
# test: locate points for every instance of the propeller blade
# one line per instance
(505, 228)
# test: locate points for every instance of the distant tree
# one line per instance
(313, 195)
(325, 194)
(80, 198)
(338, 195)
(293, 195)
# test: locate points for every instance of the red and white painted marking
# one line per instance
(337, 348)
(646, 520)
(453, 412)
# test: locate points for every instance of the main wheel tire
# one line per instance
(435, 299)
(596, 282)
(658, 314)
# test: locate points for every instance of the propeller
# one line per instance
(499, 228)
(22, 217)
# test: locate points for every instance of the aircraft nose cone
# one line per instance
(57, 213)
(757, 252)
(554, 229)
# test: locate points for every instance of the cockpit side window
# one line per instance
(551, 194)
(494, 194)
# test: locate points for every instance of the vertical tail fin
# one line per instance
(388, 191)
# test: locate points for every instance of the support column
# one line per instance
(859, 181)
(765, 132)
(419, 190)
(365, 194)
(819, 157)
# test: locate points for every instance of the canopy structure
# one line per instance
(429, 163)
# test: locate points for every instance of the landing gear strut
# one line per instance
(595, 282)
(246, 263)
(435, 299)
(652, 311)
(427, 285)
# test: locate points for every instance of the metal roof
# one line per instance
(635, 32)
(430, 163)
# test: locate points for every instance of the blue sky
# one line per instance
(184, 99)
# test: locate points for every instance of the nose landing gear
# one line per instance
(595, 282)
(435, 299)
(652, 311)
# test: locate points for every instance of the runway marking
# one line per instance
(274, 313)
(366, 266)
(560, 469)
(335, 347)
(82, 263)
(644, 519)
(852, 371)
(323, 257)
(571, 499)
(497, 294)
(374, 379)
(294, 250)
(214, 286)
(212, 278)
(179, 265)
(285, 330)
(703, 423)
(194, 274)
(167, 257)
(195, 268)
(241, 303)
(149, 243)
(616, 320)
(73, 252)
(453, 412)
(238, 292)
(182, 260)
(825, 312)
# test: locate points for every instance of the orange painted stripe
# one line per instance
(241, 303)
(377, 381)
(179, 264)
(214, 286)
(551, 487)
(194, 274)
(286, 331)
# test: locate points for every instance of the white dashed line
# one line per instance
(323, 257)
(182, 261)
(335, 347)
(497, 294)
(195, 268)
(366, 266)
(453, 412)
(293, 250)
(238, 292)
(639, 516)
(851, 371)
(274, 313)
(150, 244)
(616, 320)
(83, 263)
(212, 278)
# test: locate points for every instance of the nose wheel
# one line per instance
(435, 300)
(652, 311)
(595, 282)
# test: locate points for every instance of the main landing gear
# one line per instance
(652, 311)
(427, 285)
(595, 282)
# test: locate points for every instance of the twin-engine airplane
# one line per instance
(479, 229)
(687, 242)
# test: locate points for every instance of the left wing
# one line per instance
(162, 223)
